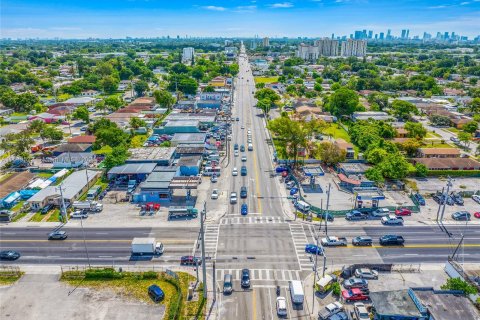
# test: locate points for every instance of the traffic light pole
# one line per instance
(202, 232)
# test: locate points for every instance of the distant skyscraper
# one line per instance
(266, 42)
(322, 47)
(358, 34)
(382, 35)
(404, 34)
(445, 36)
(389, 34)
(370, 34)
(376, 36)
(408, 34)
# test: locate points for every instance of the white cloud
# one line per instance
(282, 5)
(464, 3)
(245, 9)
(438, 7)
(214, 8)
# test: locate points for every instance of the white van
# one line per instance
(296, 291)
(250, 147)
(302, 206)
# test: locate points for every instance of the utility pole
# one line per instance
(439, 206)
(214, 285)
(204, 267)
(85, 242)
(449, 184)
(63, 209)
(326, 210)
(315, 276)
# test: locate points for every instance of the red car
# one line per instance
(403, 212)
(477, 215)
(190, 261)
(354, 294)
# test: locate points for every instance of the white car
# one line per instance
(360, 311)
(233, 198)
(281, 307)
(214, 178)
(244, 159)
(381, 212)
(366, 273)
(243, 127)
(249, 131)
(476, 198)
(235, 172)
(235, 153)
(79, 215)
(214, 194)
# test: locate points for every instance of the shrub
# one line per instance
(336, 289)
(98, 274)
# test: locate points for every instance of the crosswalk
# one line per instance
(261, 274)
(252, 220)
(299, 241)
(211, 240)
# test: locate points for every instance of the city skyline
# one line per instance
(156, 18)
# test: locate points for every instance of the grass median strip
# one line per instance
(9, 277)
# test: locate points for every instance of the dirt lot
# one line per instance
(40, 297)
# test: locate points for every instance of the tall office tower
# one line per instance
(445, 36)
(404, 33)
(307, 52)
(407, 36)
(358, 34)
(253, 45)
(370, 34)
(382, 35)
(353, 48)
(333, 36)
(266, 42)
(389, 34)
(439, 36)
(376, 36)
(327, 47)
(188, 54)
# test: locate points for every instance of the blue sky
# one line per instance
(230, 18)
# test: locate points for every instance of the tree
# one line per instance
(394, 166)
(117, 157)
(403, 109)
(379, 100)
(290, 135)
(415, 130)
(198, 72)
(136, 123)
(209, 88)
(18, 144)
(51, 134)
(140, 88)
(439, 120)
(259, 85)
(264, 105)
(109, 84)
(376, 155)
(411, 147)
(421, 170)
(267, 93)
(374, 174)
(188, 86)
(331, 154)
(164, 98)
(113, 103)
(82, 113)
(37, 126)
(343, 102)
(459, 284)
(470, 127)
(474, 105)
(464, 137)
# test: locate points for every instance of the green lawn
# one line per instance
(105, 150)
(452, 130)
(7, 278)
(436, 145)
(19, 216)
(266, 79)
(44, 175)
(138, 141)
(54, 216)
(37, 217)
(336, 132)
(432, 135)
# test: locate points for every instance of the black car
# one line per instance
(327, 216)
(9, 255)
(355, 283)
(57, 235)
(156, 293)
(47, 208)
(242, 148)
(391, 240)
(356, 215)
(457, 198)
(243, 192)
(419, 198)
(243, 171)
(245, 278)
(362, 241)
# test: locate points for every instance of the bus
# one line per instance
(93, 192)
(210, 171)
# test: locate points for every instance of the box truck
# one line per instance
(146, 246)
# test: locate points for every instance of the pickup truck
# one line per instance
(330, 310)
(334, 241)
(392, 220)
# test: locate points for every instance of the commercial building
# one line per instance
(266, 42)
(187, 54)
(353, 48)
(73, 187)
(188, 138)
(322, 47)
(160, 155)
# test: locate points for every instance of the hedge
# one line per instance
(454, 173)
(175, 307)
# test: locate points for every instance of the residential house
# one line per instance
(375, 115)
(89, 93)
(84, 139)
(448, 163)
(346, 146)
(72, 147)
(218, 82)
(438, 153)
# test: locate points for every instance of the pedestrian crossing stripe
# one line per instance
(261, 274)
(300, 240)
(252, 220)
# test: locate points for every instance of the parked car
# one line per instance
(214, 195)
(361, 312)
(381, 212)
(457, 198)
(354, 294)
(244, 209)
(57, 235)
(328, 216)
(420, 199)
(79, 214)
(47, 208)
(477, 215)
(392, 220)
(282, 307)
(362, 241)
(190, 261)
(156, 293)
(391, 239)
(339, 316)
(403, 212)
(461, 216)
(476, 198)
(9, 255)
(356, 215)
(454, 140)
(366, 273)
(313, 249)
(245, 281)
(330, 310)
(355, 283)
